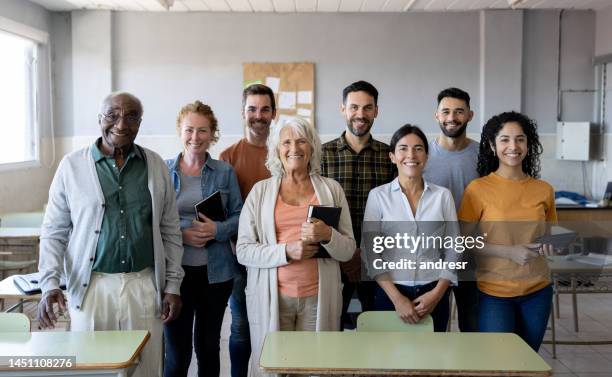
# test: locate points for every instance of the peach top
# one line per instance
(298, 278)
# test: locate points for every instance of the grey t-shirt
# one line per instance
(453, 170)
(190, 194)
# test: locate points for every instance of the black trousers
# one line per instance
(204, 304)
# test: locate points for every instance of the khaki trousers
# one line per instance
(124, 301)
(297, 313)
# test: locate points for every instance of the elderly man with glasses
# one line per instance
(112, 227)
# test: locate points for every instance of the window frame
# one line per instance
(41, 41)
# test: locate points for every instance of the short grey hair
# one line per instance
(106, 101)
(304, 129)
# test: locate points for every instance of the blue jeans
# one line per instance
(526, 316)
(440, 314)
(205, 303)
(240, 338)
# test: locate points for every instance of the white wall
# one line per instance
(603, 36)
(26, 189)
(602, 171)
(505, 59)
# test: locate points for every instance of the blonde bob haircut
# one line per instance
(302, 128)
(200, 108)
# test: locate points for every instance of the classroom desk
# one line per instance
(581, 213)
(9, 291)
(98, 353)
(587, 222)
(21, 242)
(562, 268)
(19, 238)
(394, 353)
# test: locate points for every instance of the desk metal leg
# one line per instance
(556, 289)
(574, 303)
(552, 327)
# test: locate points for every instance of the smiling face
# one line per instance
(294, 151)
(258, 114)
(511, 146)
(359, 111)
(453, 115)
(119, 121)
(196, 134)
(409, 156)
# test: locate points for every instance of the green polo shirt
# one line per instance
(125, 243)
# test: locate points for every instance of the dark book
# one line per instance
(30, 284)
(330, 216)
(560, 238)
(211, 207)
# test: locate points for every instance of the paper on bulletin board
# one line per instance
(304, 97)
(297, 78)
(286, 100)
(304, 112)
(273, 83)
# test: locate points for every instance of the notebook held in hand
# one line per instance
(330, 216)
(211, 207)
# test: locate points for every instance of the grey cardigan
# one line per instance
(258, 251)
(73, 217)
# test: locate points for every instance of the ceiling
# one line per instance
(291, 6)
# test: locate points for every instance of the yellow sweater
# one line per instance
(509, 212)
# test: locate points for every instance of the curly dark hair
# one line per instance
(488, 162)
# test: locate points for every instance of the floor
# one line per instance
(595, 322)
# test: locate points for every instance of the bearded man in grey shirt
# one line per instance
(452, 164)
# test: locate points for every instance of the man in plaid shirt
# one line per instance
(359, 163)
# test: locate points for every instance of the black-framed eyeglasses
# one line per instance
(114, 118)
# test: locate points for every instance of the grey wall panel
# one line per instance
(409, 58)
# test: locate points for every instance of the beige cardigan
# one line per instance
(258, 251)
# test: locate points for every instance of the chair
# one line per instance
(389, 321)
(14, 322)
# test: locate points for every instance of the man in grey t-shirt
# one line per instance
(451, 163)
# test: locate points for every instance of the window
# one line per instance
(19, 93)
(19, 139)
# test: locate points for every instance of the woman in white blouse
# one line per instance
(415, 207)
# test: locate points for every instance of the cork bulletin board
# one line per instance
(292, 84)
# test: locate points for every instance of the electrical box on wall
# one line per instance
(574, 140)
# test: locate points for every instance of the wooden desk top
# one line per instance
(93, 349)
(391, 353)
(572, 207)
(579, 213)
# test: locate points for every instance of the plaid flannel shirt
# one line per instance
(357, 173)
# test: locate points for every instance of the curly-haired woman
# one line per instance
(512, 207)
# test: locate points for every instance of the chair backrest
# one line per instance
(14, 322)
(389, 321)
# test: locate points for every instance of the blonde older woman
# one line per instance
(287, 288)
